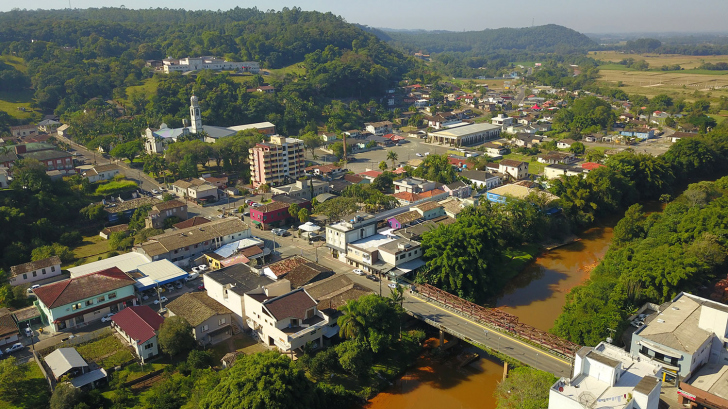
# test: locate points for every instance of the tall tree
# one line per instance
(128, 150)
(524, 388)
(175, 336)
(392, 156)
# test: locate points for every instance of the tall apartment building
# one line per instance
(277, 162)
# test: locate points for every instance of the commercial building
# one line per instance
(607, 377)
(228, 286)
(163, 211)
(352, 228)
(35, 270)
(185, 245)
(276, 213)
(467, 135)
(126, 262)
(303, 189)
(688, 337)
(276, 162)
(76, 301)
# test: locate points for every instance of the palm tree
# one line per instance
(392, 155)
(397, 295)
(351, 325)
(265, 188)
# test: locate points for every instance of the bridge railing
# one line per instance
(499, 320)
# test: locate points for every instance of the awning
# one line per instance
(309, 227)
(411, 265)
(88, 378)
(98, 307)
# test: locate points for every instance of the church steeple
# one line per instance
(195, 117)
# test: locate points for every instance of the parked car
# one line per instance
(202, 267)
(163, 298)
(169, 286)
(373, 277)
(358, 272)
(28, 332)
(392, 285)
(178, 284)
(155, 191)
(418, 154)
(107, 317)
(192, 276)
(278, 232)
(145, 297)
(162, 189)
(31, 289)
(201, 287)
(15, 347)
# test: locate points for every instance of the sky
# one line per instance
(588, 16)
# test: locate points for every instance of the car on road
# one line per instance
(418, 154)
(195, 269)
(373, 277)
(155, 191)
(31, 289)
(163, 299)
(107, 317)
(278, 232)
(192, 276)
(202, 267)
(15, 347)
(28, 332)
(201, 287)
(392, 285)
(178, 284)
(358, 272)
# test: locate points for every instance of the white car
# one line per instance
(195, 269)
(358, 272)
(107, 317)
(155, 191)
(28, 332)
(31, 289)
(192, 276)
(418, 154)
(203, 267)
(164, 299)
(392, 285)
(16, 346)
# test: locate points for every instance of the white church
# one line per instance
(157, 140)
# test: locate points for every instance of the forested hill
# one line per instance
(548, 38)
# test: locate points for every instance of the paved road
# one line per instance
(287, 246)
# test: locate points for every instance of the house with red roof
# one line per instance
(370, 174)
(139, 326)
(77, 301)
(589, 166)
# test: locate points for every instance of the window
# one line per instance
(77, 306)
(89, 303)
(101, 299)
(149, 345)
(204, 328)
(44, 271)
(53, 269)
(112, 295)
(221, 321)
(25, 276)
(35, 273)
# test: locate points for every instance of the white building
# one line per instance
(466, 135)
(35, 270)
(557, 170)
(229, 285)
(208, 63)
(517, 169)
(276, 162)
(482, 178)
(607, 377)
(354, 227)
(157, 140)
(101, 172)
(286, 319)
(502, 121)
(379, 128)
(139, 325)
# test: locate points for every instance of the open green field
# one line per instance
(674, 83)
(534, 166)
(93, 247)
(658, 60)
(148, 88)
(11, 101)
(296, 68)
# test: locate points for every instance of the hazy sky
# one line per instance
(592, 16)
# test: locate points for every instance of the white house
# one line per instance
(354, 227)
(35, 271)
(8, 328)
(229, 285)
(379, 128)
(607, 377)
(502, 120)
(287, 321)
(139, 326)
(482, 178)
(101, 172)
(517, 169)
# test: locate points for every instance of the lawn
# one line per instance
(12, 100)
(132, 372)
(534, 166)
(91, 246)
(107, 352)
(34, 393)
(296, 68)
(115, 187)
(147, 88)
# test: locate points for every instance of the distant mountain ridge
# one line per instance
(546, 38)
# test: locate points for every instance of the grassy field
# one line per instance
(674, 83)
(10, 101)
(658, 60)
(34, 393)
(534, 166)
(107, 352)
(148, 88)
(92, 246)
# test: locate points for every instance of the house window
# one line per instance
(101, 299)
(112, 295)
(44, 271)
(204, 328)
(221, 321)
(53, 269)
(149, 346)
(77, 306)
(25, 276)
(89, 302)
(35, 273)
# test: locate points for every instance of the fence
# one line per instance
(78, 340)
(499, 320)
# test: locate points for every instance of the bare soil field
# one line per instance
(658, 60)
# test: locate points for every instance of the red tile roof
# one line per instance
(370, 173)
(73, 289)
(291, 305)
(353, 178)
(399, 171)
(429, 194)
(406, 196)
(591, 165)
(281, 268)
(195, 221)
(139, 322)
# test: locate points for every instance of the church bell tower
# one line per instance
(195, 117)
